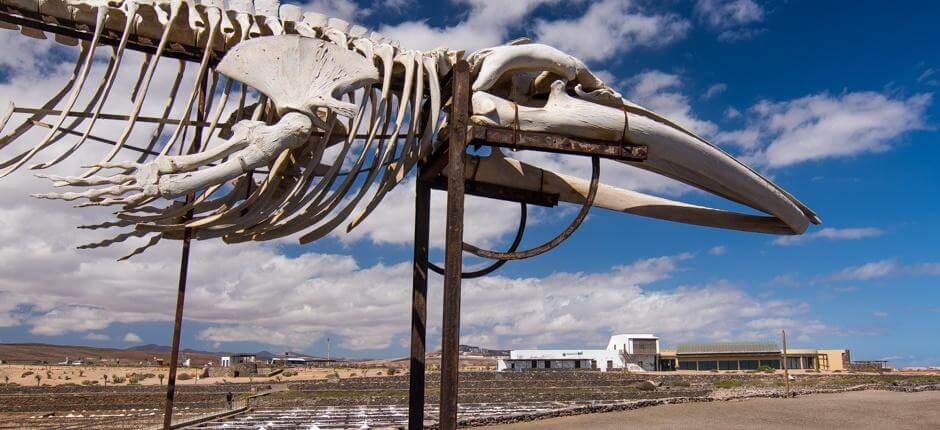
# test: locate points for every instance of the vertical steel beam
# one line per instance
(184, 271)
(453, 245)
(419, 304)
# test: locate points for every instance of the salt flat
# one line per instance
(851, 410)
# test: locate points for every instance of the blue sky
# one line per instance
(837, 104)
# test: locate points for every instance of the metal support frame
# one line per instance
(419, 304)
(184, 272)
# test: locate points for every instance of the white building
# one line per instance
(635, 352)
(232, 360)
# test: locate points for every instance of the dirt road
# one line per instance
(854, 410)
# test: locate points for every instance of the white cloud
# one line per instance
(830, 233)
(66, 319)
(876, 269)
(884, 268)
(343, 9)
(97, 337)
(659, 91)
(393, 221)
(132, 337)
(718, 250)
(824, 126)
(928, 77)
(732, 113)
(609, 28)
(487, 24)
(714, 90)
(733, 19)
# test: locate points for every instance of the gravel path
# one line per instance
(852, 410)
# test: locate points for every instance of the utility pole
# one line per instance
(786, 370)
(327, 348)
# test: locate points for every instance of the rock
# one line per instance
(646, 385)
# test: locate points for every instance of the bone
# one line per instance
(499, 170)
(139, 100)
(407, 60)
(29, 123)
(492, 64)
(322, 73)
(73, 96)
(673, 152)
(214, 20)
(130, 9)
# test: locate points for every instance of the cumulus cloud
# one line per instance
(714, 90)
(827, 126)
(609, 28)
(884, 268)
(393, 222)
(733, 19)
(132, 337)
(660, 91)
(718, 250)
(97, 337)
(487, 23)
(830, 233)
(875, 269)
(343, 9)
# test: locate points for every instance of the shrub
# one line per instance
(26, 373)
(391, 371)
(89, 382)
(289, 373)
(729, 383)
(184, 376)
(766, 369)
(117, 379)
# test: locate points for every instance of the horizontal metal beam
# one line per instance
(108, 37)
(483, 189)
(546, 142)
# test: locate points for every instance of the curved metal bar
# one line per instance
(523, 215)
(547, 246)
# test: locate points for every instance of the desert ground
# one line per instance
(355, 395)
(851, 410)
(55, 375)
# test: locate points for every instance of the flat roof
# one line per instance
(727, 348)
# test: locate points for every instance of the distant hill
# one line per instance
(32, 352)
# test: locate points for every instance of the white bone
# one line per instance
(312, 73)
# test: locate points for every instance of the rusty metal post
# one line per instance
(786, 370)
(419, 303)
(453, 246)
(184, 271)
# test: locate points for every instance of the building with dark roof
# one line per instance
(750, 356)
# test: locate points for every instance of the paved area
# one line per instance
(855, 410)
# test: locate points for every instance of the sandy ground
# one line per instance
(854, 410)
(77, 374)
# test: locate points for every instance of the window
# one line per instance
(809, 363)
(775, 364)
(577, 364)
(707, 365)
(512, 365)
(728, 365)
(610, 364)
(748, 364)
(794, 362)
(548, 364)
(535, 364)
(687, 365)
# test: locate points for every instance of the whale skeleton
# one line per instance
(344, 115)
